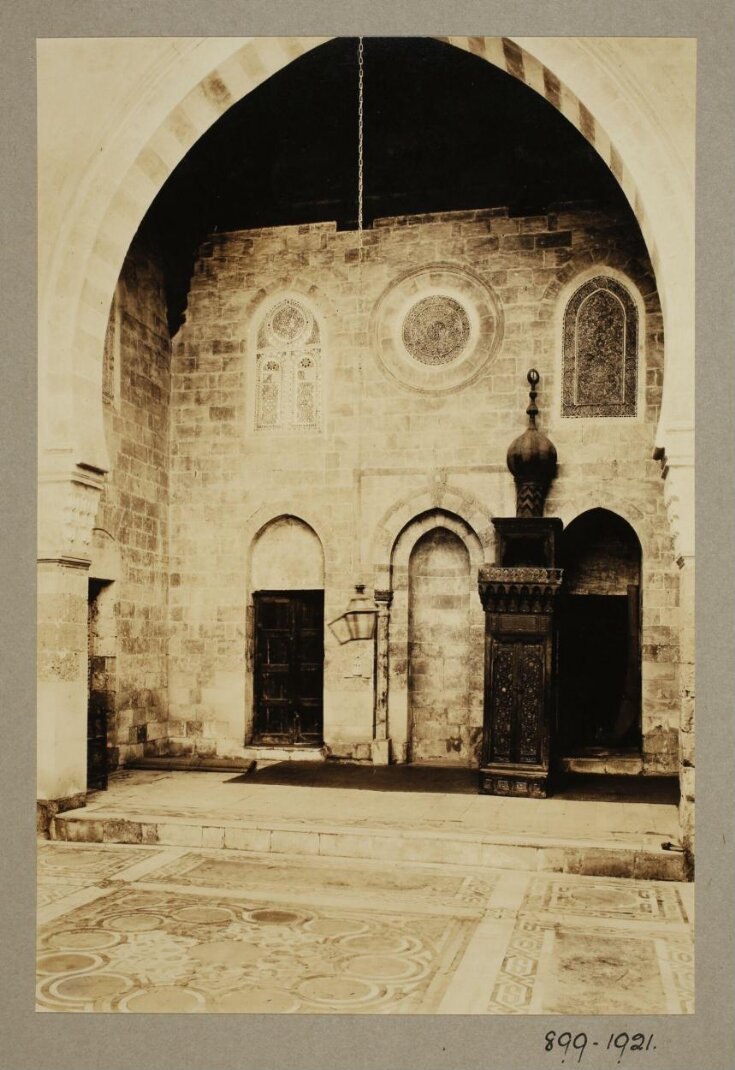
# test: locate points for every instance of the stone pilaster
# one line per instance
(677, 470)
(381, 742)
(68, 498)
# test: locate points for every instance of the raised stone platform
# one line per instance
(256, 813)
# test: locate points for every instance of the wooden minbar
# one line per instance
(519, 594)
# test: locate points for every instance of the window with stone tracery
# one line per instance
(288, 360)
(600, 354)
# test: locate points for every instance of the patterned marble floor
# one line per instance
(152, 929)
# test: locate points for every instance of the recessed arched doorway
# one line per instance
(600, 636)
(287, 585)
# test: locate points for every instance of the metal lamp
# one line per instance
(358, 620)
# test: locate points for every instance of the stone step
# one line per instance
(195, 763)
(604, 857)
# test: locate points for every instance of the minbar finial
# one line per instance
(532, 459)
(532, 410)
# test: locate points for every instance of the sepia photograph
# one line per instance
(365, 606)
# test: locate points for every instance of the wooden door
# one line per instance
(288, 667)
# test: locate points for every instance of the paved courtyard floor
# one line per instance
(182, 929)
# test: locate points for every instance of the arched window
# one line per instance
(288, 390)
(600, 351)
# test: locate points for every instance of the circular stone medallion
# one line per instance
(436, 330)
(338, 991)
(67, 962)
(133, 923)
(336, 927)
(89, 986)
(88, 939)
(274, 917)
(204, 915)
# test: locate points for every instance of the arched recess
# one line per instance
(434, 496)
(443, 539)
(285, 635)
(187, 93)
(600, 636)
(102, 666)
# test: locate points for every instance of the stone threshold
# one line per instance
(263, 753)
(609, 858)
(193, 763)
(615, 764)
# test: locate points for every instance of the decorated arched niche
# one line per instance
(600, 350)
(600, 636)
(287, 585)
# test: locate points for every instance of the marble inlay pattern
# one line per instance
(52, 890)
(87, 864)
(212, 870)
(552, 968)
(187, 930)
(635, 900)
(141, 950)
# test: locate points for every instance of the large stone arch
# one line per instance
(187, 88)
(632, 98)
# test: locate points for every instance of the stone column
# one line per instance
(68, 496)
(686, 698)
(381, 742)
(677, 463)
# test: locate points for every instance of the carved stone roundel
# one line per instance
(436, 330)
(289, 321)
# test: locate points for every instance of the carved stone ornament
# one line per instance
(435, 329)
(600, 359)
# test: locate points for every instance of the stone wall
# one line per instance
(134, 505)
(395, 439)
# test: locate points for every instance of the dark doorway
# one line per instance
(100, 686)
(289, 667)
(599, 642)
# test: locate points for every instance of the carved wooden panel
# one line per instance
(530, 692)
(502, 701)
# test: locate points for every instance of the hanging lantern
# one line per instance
(358, 620)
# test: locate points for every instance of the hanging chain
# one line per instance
(360, 303)
(360, 140)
